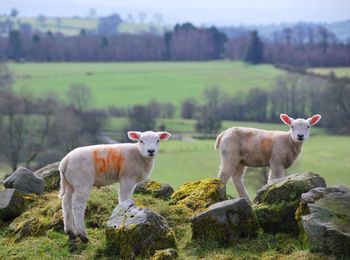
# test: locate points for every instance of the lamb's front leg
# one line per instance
(126, 189)
(276, 171)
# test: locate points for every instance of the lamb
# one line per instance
(241, 147)
(99, 165)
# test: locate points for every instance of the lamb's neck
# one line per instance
(295, 146)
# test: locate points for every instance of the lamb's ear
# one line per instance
(314, 119)
(134, 135)
(164, 135)
(286, 119)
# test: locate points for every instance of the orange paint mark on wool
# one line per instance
(108, 161)
(266, 144)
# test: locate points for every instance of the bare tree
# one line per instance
(79, 96)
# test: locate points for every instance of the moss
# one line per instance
(156, 189)
(277, 217)
(128, 242)
(165, 254)
(217, 231)
(101, 203)
(199, 195)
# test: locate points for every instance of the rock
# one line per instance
(51, 176)
(277, 201)
(24, 180)
(324, 215)
(225, 222)
(43, 215)
(132, 231)
(165, 254)
(12, 203)
(156, 189)
(201, 194)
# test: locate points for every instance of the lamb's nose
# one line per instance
(151, 152)
(300, 136)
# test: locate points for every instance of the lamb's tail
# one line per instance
(218, 140)
(62, 168)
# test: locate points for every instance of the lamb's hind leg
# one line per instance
(227, 168)
(238, 181)
(80, 197)
(67, 211)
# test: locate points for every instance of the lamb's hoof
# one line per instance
(71, 235)
(83, 238)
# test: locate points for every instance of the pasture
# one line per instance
(126, 84)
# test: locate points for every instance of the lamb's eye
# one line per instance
(308, 126)
(141, 141)
(157, 141)
(292, 127)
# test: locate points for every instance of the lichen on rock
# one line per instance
(277, 201)
(324, 217)
(155, 188)
(199, 195)
(225, 222)
(51, 176)
(165, 254)
(132, 231)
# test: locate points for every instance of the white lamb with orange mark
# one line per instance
(241, 147)
(100, 165)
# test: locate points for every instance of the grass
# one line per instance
(125, 84)
(339, 71)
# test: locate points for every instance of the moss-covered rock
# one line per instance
(165, 254)
(277, 201)
(225, 222)
(199, 195)
(44, 214)
(132, 231)
(51, 176)
(156, 189)
(324, 216)
(12, 203)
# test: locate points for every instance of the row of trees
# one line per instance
(296, 95)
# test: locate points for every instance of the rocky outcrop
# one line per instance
(12, 203)
(324, 215)
(51, 175)
(225, 222)
(156, 189)
(199, 195)
(132, 231)
(24, 180)
(277, 201)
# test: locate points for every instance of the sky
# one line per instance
(208, 12)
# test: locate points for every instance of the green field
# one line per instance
(125, 84)
(339, 71)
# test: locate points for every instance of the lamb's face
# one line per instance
(148, 142)
(300, 128)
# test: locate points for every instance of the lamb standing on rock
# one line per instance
(100, 165)
(241, 147)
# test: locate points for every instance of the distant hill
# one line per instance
(340, 29)
(74, 25)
